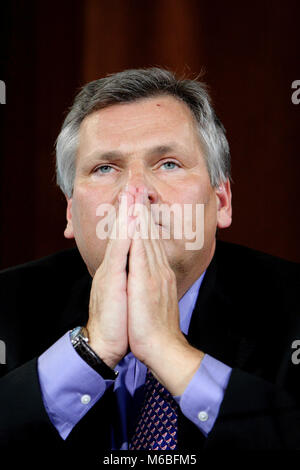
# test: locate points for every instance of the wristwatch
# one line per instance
(80, 340)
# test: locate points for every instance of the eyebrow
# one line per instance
(162, 150)
(157, 151)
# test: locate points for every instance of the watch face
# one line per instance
(74, 332)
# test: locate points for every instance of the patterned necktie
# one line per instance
(157, 424)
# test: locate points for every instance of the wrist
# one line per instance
(174, 363)
(80, 342)
(102, 349)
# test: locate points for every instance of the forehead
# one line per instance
(151, 121)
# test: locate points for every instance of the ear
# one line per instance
(69, 232)
(224, 209)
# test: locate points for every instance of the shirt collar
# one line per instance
(187, 304)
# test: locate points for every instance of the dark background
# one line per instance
(250, 53)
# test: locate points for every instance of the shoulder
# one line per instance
(64, 265)
(34, 297)
(248, 262)
(257, 282)
(44, 284)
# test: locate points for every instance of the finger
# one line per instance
(153, 244)
(117, 248)
(141, 243)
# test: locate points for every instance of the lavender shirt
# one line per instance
(70, 387)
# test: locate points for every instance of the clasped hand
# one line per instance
(139, 310)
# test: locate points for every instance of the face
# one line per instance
(151, 143)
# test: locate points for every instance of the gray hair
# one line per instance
(133, 85)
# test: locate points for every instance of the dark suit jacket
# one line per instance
(246, 315)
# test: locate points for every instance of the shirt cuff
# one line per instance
(201, 400)
(70, 387)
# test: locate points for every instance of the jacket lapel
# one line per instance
(215, 329)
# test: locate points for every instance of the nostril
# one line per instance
(149, 194)
(152, 197)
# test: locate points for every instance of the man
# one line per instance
(139, 342)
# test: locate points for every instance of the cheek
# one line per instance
(85, 222)
(84, 209)
(190, 191)
(202, 194)
(210, 216)
(91, 194)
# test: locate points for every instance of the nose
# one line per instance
(137, 180)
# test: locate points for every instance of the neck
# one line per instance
(187, 275)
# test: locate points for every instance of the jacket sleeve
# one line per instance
(23, 418)
(256, 415)
(26, 431)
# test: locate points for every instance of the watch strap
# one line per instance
(81, 346)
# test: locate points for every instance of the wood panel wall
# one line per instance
(249, 52)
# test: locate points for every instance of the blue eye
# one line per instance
(169, 165)
(104, 169)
